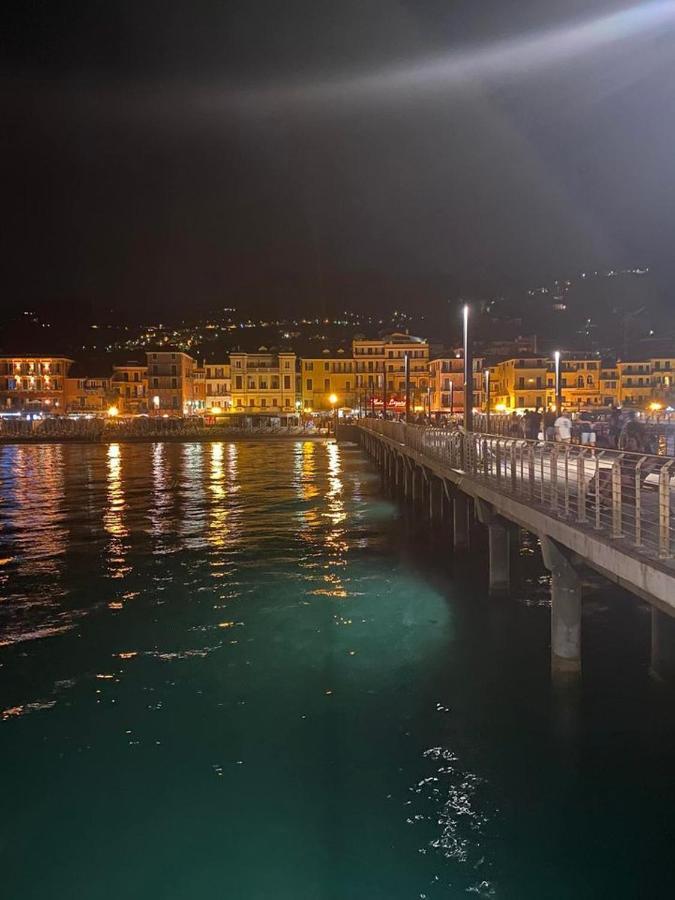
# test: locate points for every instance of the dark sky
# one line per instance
(310, 155)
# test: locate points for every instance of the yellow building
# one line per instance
(446, 384)
(380, 368)
(581, 383)
(663, 380)
(130, 385)
(609, 385)
(87, 394)
(635, 383)
(171, 383)
(33, 383)
(521, 384)
(218, 386)
(263, 382)
(324, 377)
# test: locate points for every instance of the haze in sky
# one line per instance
(317, 155)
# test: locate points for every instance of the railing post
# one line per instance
(581, 486)
(566, 493)
(498, 459)
(598, 505)
(664, 511)
(638, 500)
(617, 512)
(530, 465)
(513, 466)
(554, 478)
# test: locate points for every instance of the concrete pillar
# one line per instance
(499, 545)
(565, 609)
(500, 558)
(663, 646)
(435, 500)
(460, 526)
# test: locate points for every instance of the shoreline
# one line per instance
(164, 439)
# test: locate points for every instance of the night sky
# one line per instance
(313, 155)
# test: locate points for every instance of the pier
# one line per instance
(606, 510)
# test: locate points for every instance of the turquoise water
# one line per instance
(237, 670)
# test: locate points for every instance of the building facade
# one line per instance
(218, 386)
(379, 367)
(171, 383)
(33, 383)
(93, 395)
(263, 383)
(324, 377)
(130, 386)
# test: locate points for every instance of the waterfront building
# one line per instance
(326, 376)
(130, 386)
(609, 385)
(218, 382)
(663, 383)
(581, 386)
(33, 383)
(263, 383)
(446, 384)
(171, 383)
(380, 369)
(635, 383)
(519, 384)
(89, 394)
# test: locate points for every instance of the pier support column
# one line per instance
(460, 525)
(499, 543)
(663, 646)
(565, 609)
(435, 500)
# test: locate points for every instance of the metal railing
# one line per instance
(627, 497)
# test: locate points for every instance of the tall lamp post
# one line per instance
(468, 374)
(558, 392)
(487, 399)
(406, 369)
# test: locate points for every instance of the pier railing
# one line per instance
(627, 497)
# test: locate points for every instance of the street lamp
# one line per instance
(468, 373)
(487, 399)
(558, 394)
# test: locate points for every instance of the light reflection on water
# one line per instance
(243, 643)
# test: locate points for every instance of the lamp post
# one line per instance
(558, 392)
(468, 374)
(333, 400)
(487, 399)
(406, 369)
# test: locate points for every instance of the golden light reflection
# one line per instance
(217, 508)
(113, 516)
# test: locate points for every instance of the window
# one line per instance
(275, 383)
(326, 384)
(287, 402)
(238, 382)
(309, 384)
(155, 382)
(521, 401)
(174, 382)
(239, 403)
(263, 402)
(251, 402)
(287, 382)
(237, 364)
(348, 385)
(326, 367)
(174, 402)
